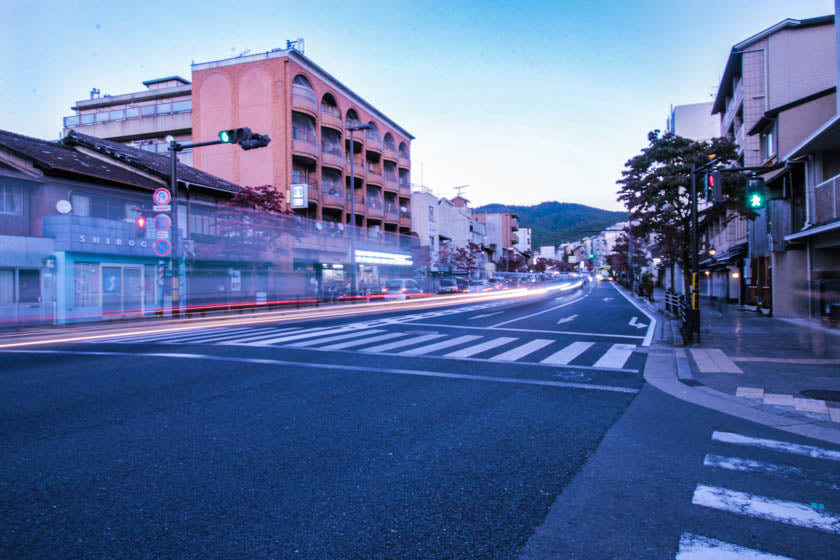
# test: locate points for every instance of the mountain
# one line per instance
(553, 223)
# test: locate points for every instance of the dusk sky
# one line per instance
(523, 101)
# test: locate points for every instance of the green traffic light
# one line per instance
(755, 200)
(224, 136)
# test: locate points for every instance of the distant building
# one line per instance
(502, 228)
(694, 121)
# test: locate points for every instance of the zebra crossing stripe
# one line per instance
(222, 336)
(520, 351)
(762, 507)
(695, 547)
(337, 337)
(311, 333)
(439, 345)
(352, 343)
(795, 474)
(782, 446)
(568, 353)
(616, 356)
(479, 348)
(401, 343)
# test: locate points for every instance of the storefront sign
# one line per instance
(379, 257)
(97, 240)
(235, 280)
(300, 196)
(111, 280)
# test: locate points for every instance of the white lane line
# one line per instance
(352, 343)
(695, 547)
(439, 345)
(762, 507)
(354, 334)
(523, 350)
(484, 315)
(795, 474)
(577, 333)
(479, 348)
(538, 313)
(651, 326)
(783, 446)
(361, 369)
(296, 336)
(568, 353)
(401, 343)
(616, 356)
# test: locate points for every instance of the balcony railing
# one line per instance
(146, 111)
(827, 200)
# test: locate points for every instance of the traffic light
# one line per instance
(756, 193)
(244, 137)
(714, 186)
(591, 256)
(140, 226)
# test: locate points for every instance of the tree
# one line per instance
(619, 259)
(656, 188)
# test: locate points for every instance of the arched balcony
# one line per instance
(303, 96)
(304, 139)
(330, 113)
(331, 151)
(373, 141)
(403, 156)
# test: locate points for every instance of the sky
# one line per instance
(524, 101)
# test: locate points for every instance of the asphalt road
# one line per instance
(465, 431)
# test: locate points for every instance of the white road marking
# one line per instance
(750, 392)
(229, 335)
(539, 312)
(515, 353)
(780, 471)
(168, 335)
(289, 338)
(484, 315)
(479, 348)
(601, 335)
(355, 334)
(634, 323)
(762, 507)
(352, 343)
(722, 361)
(616, 356)
(439, 345)
(783, 446)
(567, 319)
(401, 343)
(695, 547)
(568, 353)
(651, 318)
(607, 299)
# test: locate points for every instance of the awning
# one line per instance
(725, 259)
(814, 230)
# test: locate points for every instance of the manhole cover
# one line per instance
(691, 382)
(821, 394)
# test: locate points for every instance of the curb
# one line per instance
(668, 370)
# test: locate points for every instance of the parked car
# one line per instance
(401, 288)
(448, 286)
(480, 286)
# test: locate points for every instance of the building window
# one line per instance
(29, 286)
(431, 213)
(768, 144)
(7, 286)
(86, 284)
(11, 199)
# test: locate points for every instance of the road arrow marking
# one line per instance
(485, 315)
(567, 319)
(607, 299)
(634, 323)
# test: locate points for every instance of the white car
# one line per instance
(401, 288)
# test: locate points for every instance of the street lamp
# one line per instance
(353, 129)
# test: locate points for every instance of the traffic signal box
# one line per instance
(714, 187)
(244, 137)
(140, 226)
(756, 193)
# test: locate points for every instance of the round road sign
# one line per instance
(162, 197)
(163, 222)
(162, 247)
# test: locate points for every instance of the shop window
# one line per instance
(7, 286)
(11, 199)
(86, 284)
(29, 286)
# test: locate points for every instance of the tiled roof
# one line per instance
(156, 164)
(54, 158)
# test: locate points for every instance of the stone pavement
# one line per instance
(786, 368)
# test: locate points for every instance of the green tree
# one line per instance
(656, 189)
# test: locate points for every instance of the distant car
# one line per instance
(448, 286)
(480, 286)
(496, 283)
(401, 288)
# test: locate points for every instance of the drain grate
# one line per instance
(821, 394)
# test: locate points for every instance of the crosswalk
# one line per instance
(819, 476)
(400, 339)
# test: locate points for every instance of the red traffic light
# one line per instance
(711, 178)
(140, 221)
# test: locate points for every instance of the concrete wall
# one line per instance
(796, 124)
(801, 62)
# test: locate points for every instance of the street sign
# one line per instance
(300, 196)
(162, 208)
(162, 247)
(163, 222)
(162, 234)
(162, 197)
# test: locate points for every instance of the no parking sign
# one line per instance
(162, 247)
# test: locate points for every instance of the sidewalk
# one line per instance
(778, 372)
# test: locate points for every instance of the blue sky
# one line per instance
(523, 101)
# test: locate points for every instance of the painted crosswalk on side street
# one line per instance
(819, 476)
(387, 339)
